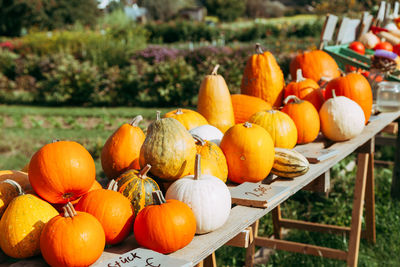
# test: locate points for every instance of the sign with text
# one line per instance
(141, 257)
(256, 194)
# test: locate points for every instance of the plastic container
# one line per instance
(388, 96)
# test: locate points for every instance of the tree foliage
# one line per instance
(44, 14)
(227, 10)
(165, 9)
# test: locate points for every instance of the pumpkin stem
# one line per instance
(55, 140)
(247, 124)
(295, 99)
(158, 198)
(333, 93)
(16, 185)
(214, 72)
(69, 210)
(258, 49)
(158, 114)
(299, 76)
(136, 120)
(143, 172)
(199, 139)
(342, 73)
(197, 167)
(179, 111)
(113, 185)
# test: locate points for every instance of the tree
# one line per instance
(165, 9)
(44, 14)
(227, 10)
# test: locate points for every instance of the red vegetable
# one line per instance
(384, 46)
(357, 47)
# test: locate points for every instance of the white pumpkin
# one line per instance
(208, 132)
(207, 196)
(341, 118)
(369, 39)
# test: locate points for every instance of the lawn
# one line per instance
(24, 129)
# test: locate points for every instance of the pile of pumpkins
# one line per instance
(58, 209)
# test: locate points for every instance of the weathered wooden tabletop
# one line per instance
(241, 216)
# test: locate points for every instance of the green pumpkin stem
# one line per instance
(113, 185)
(295, 99)
(247, 124)
(158, 197)
(199, 139)
(179, 111)
(136, 120)
(197, 167)
(158, 114)
(16, 185)
(69, 210)
(299, 76)
(143, 172)
(258, 49)
(214, 72)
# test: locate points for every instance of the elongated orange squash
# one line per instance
(215, 102)
(245, 105)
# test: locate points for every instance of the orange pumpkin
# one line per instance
(61, 171)
(189, 118)
(305, 89)
(215, 102)
(18, 176)
(279, 125)
(263, 78)
(213, 161)
(354, 86)
(112, 209)
(315, 65)
(72, 239)
(305, 116)
(244, 106)
(249, 152)
(121, 150)
(165, 226)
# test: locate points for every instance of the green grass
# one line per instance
(303, 18)
(21, 139)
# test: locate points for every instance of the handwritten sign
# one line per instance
(141, 257)
(256, 194)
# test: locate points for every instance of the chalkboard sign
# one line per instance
(141, 257)
(256, 194)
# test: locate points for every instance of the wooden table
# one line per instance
(202, 247)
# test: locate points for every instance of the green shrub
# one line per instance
(7, 63)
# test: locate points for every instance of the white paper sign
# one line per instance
(141, 257)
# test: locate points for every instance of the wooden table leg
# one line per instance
(250, 251)
(358, 201)
(370, 202)
(276, 218)
(395, 190)
(210, 261)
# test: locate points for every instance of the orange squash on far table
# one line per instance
(315, 65)
(305, 116)
(189, 118)
(306, 89)
(245, 105)
(263, 78)
(215, 102)
(354, 86)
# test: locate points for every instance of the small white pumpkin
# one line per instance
(207, 196)
(208, 132)
(341, 118)
(369, 39)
